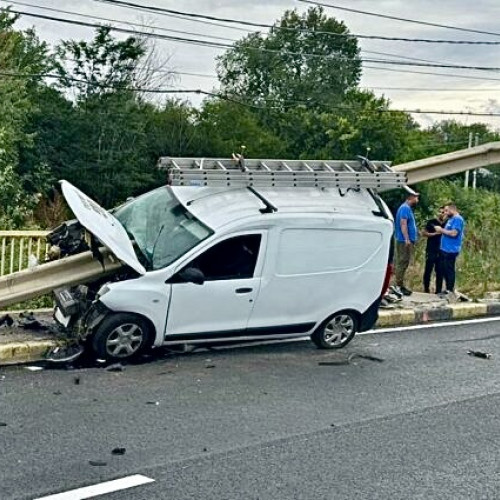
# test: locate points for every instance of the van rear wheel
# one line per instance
(122, 336)
(337, 331)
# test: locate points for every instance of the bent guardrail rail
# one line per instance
(44, 278)
(455, 162)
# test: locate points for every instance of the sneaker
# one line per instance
(405, 291)
(392, 298)
(65, 354)
(396, 291)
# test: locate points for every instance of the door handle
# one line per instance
(244, 290)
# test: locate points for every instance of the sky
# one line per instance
(195, 65)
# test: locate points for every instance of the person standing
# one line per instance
(451, 244)
(432, 252)
(406, 237)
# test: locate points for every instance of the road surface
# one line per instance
(285, 421)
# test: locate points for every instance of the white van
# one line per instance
(215, 265)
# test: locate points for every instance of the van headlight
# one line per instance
(103, 290)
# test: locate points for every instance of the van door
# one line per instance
(221, 305)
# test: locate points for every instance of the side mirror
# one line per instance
(192, 275)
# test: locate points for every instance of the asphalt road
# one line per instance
(266, 422)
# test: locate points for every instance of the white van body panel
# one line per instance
(323, 251)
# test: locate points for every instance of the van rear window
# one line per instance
(312, 251)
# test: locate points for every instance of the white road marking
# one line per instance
(101, 488)
(370, 332)
(431, 325)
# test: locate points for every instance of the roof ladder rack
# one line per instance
(239, 172)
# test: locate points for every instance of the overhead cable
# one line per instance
(228, 98)
(395, 18)
(207, 43)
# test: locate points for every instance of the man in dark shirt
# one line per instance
(432, 253)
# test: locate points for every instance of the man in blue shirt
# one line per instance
(406, 237)
(451, 244)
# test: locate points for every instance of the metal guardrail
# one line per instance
(17, 246)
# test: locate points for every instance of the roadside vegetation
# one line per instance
(94, 113)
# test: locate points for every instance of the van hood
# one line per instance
(102, 225)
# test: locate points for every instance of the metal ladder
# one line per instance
(241, 172)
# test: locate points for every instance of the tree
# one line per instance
(100, 66)
(224, 126)
(23, 58)
(309, 59)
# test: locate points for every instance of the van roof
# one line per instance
(217, 207)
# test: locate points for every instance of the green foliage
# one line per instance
(20, 53)
(308, 59)
(289, 93)
(100, 66)
(225, 126)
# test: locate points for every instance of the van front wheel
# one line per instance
(121, 336)
(337, 331)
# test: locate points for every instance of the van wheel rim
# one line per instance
(124, 341)
(338, 329)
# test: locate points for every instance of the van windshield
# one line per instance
(161, 227)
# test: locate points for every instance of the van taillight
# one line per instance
(387, 280)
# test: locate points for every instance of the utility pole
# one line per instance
(474, 172)
(466, 183)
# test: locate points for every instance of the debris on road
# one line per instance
(33, 368)
(118, 451)
(117, 367)
(366, 356)
(154, 403)
(3, 424)
(98, 463)
(76, 380)
(479, 354)
(334, 363)
(6, 320)
(65, 354)
(346, 361)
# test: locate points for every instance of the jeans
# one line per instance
(433, 263)
(448, 266)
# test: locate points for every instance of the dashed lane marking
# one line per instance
(100, 488)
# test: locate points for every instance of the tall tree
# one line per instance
(23, 58)
(308, 59)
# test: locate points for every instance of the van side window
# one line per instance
(234, 258)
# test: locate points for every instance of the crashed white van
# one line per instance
(221, 264)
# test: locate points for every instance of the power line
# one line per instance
(169, 30)
(200, 17)
(421, 89)
(205, 43)
(228, 98)
(395, 18)
(107, 19)
(450, 75)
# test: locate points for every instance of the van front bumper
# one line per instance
(370, 316)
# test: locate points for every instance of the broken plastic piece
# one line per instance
(118, 451)
(98, 463)
(65, 354)
(32, 262)
(6, 320)
(479, 354)
(117, 367)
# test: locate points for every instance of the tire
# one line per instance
(122, 336)
(336, 331)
